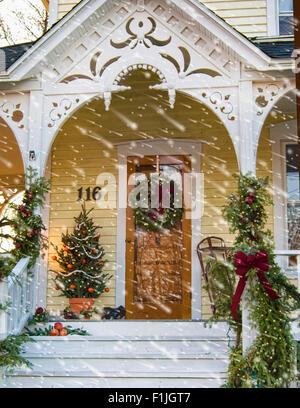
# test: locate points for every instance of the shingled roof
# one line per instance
(14, 52)
(275, 47)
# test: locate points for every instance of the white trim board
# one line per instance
(191, 10)
(281, 134)
(272, 18)
(150, 148)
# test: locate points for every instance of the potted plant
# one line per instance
(81, 260)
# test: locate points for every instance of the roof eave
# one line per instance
(250, 52)
(14, 70)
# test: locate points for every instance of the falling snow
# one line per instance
(136, 88)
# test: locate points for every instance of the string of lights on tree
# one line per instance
(81, 259)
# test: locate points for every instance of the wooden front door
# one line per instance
(158, 263)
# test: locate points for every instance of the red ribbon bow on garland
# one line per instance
(244, 263)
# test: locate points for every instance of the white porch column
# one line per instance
(35, 125)
(247, 163)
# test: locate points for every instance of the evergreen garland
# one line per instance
(4, 307)
(271, 358)
(11, 349)
(270, 361)
(46, 331)
(27, 226)
(28, 240)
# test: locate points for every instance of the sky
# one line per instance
(6, 8)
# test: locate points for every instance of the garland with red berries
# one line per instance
(26, 224)
(270, 361)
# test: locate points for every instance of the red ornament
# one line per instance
(249, 200)
(84, 232)
(56, 287)
(101, 263)
(84, 261)
(90, 290)
(66, 249)
(72, 286)
(94, 251)
(69, 266)
(63, 332)
(107, 290)
(58, 326)
(39, 310)
(17, 244)
(98, 236)
(54, 332)
(54, 257)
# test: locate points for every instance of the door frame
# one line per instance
(150, 148)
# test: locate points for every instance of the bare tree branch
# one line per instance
(5, 32)
(35, 24)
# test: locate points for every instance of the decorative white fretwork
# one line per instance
(13, 112)
(60, 109)
(137, 44)
(221, 102)
(140, 32)
(265, 97)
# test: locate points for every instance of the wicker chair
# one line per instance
(211, 247)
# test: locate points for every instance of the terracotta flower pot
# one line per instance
(80, 304)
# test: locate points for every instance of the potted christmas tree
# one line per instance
(82, 278)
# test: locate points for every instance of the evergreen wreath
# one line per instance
(156, 219)
(270, 361)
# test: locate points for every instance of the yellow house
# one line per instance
(116, 87)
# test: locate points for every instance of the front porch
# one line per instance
(134, 93)
(91, 150)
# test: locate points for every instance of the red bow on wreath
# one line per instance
(244, 263)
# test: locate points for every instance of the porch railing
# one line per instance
(18, 290)
(288, 253)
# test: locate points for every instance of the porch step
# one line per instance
(143, 354)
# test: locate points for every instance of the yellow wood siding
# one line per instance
(218, 165)
(248, 17)
(76, 162)
(64, 6)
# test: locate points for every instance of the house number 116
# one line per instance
(90, 194)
